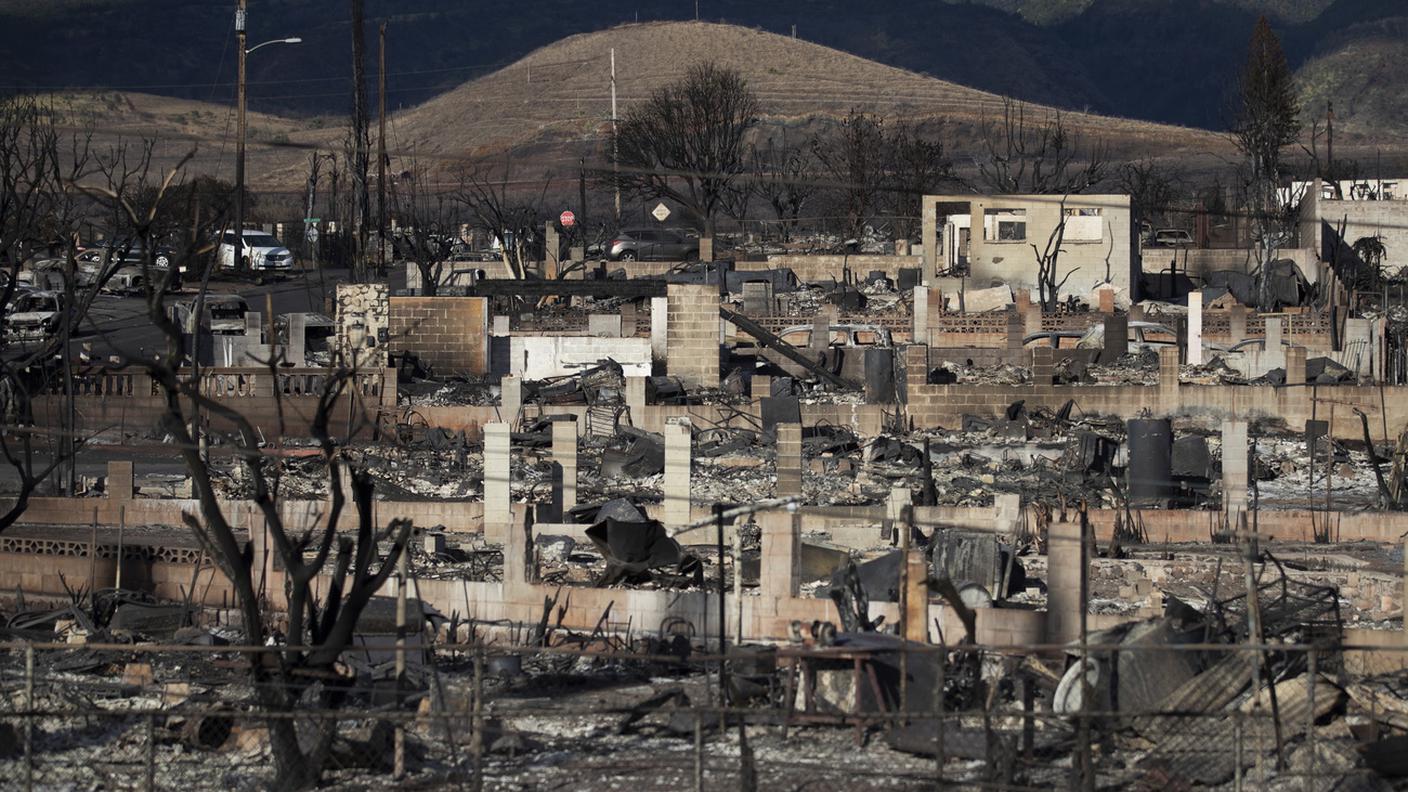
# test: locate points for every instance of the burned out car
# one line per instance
(35, 315)
(842, 335)
(222, 314)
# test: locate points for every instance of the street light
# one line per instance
(292, 40)
(239, 125)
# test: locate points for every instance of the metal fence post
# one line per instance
(1237, 752)
(151, 752)
(29, 717)
(477, 722)
(939, 748)
(1312, 676)
(698, 752)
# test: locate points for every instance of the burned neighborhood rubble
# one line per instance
(718, 460)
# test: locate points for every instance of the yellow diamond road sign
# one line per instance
(661, 212)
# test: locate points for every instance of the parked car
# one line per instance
(35, 315)
(259, 252)
(1171, 238)
(127, 263)
(649, 244)
(223, 314)
(1142, 335)
(842, 335)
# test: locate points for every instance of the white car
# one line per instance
(260, 252)
(35, 315)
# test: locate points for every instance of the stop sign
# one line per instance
(567, 219)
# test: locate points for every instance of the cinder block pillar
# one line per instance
(628, 320)
(1116, 338)
(679, 468)
(1007, 514)
(296, 346)
(564, 453)
(1195, 328)
(498, 507)
(977, 213)
(1066, 555)
(781, 548)
(916, 616)
(916, 364)
(518, 539)
(659, 328)
(1295, 365)
(789, 460)
(1168, 367)
(1043, 365)
(1236, 324)
(635, 399)
(551, 264)
(919, 330)
(760, 386)
(821, 333)
(1107, 301)
(692, 346)
(121, 483)
(1275, 332)
(1016, 329)
(1235, 469)
(510, 397)
(929, 244)
(254, 327)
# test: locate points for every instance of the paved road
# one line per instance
(119, 325)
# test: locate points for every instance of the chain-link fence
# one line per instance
(864, 712)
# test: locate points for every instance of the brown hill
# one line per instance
(557, 101)
(552, 108)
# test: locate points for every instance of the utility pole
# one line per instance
(1330, 148)
(241, 52)
(314, 160)
(361, 197)
(381, 152)
(615, 149)
(582, 195)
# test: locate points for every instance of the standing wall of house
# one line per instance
(1018, 228)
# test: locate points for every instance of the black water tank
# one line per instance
(1150, 471)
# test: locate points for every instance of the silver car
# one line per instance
(652, 244)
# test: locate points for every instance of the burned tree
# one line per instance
(686, 143)
(39, 214)
(876, 171)
(783, 176)
(1048, 287)
(422, 234)
(1268, 120)
(514, 218)
(1153, 189)
(918, 165)
(1037, 156)
(329, 573)
(852, 158)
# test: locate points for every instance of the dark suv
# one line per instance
(651, 244)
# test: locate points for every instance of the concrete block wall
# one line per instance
(692, 348)
(450, 334)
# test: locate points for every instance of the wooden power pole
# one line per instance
(381, 151)
(361, 210)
